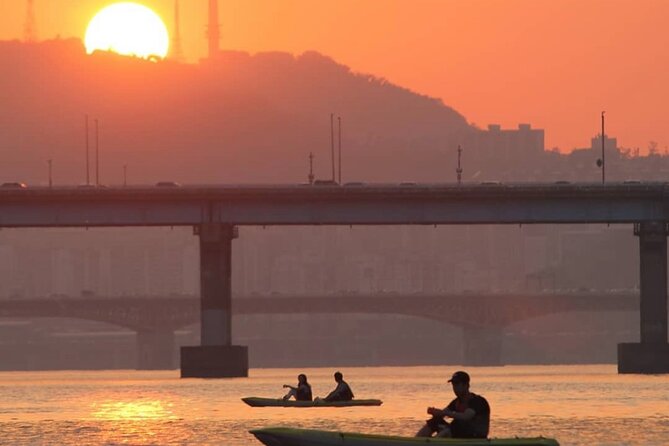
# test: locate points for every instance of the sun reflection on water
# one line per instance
(133, 410)
(134, 418)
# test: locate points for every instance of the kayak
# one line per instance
(279, 402)
(285, 436)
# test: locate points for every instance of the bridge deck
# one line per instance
(334, 205)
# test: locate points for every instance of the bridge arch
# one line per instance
(482, 318)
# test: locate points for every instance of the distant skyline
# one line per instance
(555, 64)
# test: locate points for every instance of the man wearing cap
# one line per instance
(470, 413)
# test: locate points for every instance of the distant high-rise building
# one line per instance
(213, 29)
(610, 144)
(496, 151)
(30, 29)
(177, 51)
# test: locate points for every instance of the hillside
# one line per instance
(239, 118)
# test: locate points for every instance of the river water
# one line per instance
(578, 405)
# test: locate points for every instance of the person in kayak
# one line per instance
(470, 413)
(342, 392)
(302, 392)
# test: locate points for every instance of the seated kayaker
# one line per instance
(341, 393)
(302, 392)
(470, 413)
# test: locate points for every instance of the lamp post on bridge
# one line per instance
(601, 162)
(310, 177)
(458, 170)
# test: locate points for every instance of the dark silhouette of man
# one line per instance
(342, 392)
(470, 413)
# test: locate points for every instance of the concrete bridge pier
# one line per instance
(482, 346)
(155, 350)
(216, 357)
(651, 355)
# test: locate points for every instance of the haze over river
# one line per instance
(578, 405)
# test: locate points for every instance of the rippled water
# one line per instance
(578, 405)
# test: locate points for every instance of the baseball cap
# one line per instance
(459, 377)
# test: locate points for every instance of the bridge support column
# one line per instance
(482, 346)
(216, 357)
(651, 355)
(155, 350)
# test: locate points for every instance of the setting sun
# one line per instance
(128, 28)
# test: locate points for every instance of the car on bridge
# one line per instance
(325, 183)
(92, 186)
(14, 185)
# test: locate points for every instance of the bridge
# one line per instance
(215, 211)
(481, 316)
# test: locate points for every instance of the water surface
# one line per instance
(578, 405)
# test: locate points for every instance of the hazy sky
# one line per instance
(553, 63)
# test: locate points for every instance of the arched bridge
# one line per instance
(171, 313)
(482, 316)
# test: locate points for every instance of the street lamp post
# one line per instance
(339, 122)
(458, 170)
(88, 175)
(334, 178)
(311, 168)
(603, 160)
(97, 155)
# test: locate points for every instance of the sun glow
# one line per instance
(133, 410)
(130, 29)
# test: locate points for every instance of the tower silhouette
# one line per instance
(177, 51)
(29, 28)
(213, 29)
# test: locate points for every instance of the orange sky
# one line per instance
(553, 63)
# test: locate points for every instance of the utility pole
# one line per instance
(339, 121)
(311, 168)
(177, 51)
(213, 30)
(603, 159)
(88, 174)
(29, 27)
(332, 145)
(458, 170)
(50, 176)
(97, 154)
